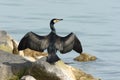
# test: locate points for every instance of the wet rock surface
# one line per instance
(84, 57)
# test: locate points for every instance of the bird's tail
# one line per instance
(52, 58)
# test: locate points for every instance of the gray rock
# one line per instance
(12, 65)
(58, 71)
(7, 43)
(44, 70)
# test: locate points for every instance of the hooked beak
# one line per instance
(57, 20)
(60, 19)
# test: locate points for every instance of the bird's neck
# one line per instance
(52, 27)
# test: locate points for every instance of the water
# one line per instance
(95, 22)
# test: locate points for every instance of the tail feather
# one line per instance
(52, 58)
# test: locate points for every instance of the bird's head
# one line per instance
(52, 22)
(55, 20)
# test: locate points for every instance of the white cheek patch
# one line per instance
(56, 21)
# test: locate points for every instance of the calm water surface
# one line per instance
(95, 22)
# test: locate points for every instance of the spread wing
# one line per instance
(68, 43)
(34, 42)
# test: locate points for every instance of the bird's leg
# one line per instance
(52, 58)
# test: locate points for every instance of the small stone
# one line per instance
(27, 77)
(85, 57)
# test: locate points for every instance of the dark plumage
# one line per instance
(52, 42)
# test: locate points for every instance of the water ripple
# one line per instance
(107, 50)
(99, 35)
(112, 45)
(10, 4)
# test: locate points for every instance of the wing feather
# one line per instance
(68, 43)
(34, 42)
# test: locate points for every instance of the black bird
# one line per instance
(52, 42)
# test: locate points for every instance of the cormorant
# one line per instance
(52, 42)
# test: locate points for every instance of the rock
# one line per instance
(15, 46)
(71, 73)
(12, 66)
(59, 69)
(7, 43)
(85, 57)
(33, 55)
(42, 70)
(27, 77)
